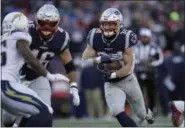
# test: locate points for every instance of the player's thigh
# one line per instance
(115, 98)
(42, 87)
(135, 96)
(21, 100)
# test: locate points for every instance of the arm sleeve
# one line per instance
(90, 37)
(131, 39)
(66, 42)
(20, 35)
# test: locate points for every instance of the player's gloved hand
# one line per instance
(105, 58)
(74, 92)
(56, 77)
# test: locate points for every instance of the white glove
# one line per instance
(74, 92)
(56, 77)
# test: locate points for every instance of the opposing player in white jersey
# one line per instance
(48, 41)
(177, 109)
(18, 99)
(110, 47)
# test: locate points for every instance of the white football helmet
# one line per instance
(145, 32)
(47, 19)
(112, 15)
(15, 21)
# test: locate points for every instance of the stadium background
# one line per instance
(166, 20)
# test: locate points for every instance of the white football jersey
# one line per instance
(11, 59)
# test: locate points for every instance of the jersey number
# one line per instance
(43, 57)
(3, 54)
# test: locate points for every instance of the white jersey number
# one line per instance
(43, 57)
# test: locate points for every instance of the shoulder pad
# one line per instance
(18, 35)
(91, 34)
(131, 39)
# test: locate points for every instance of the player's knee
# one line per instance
(115, 110)
(34, 110)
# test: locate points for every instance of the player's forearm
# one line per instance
(123, 71)
(72, 76)
(23, 48)
(90, 62)
(35, 64)
(71, 71)
(38, 67)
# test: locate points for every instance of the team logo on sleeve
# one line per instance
(133, 38)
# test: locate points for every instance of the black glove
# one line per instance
(106, 58)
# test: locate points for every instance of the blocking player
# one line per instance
(48, 41)
(177, 109)
(110, 48)
(18, 99)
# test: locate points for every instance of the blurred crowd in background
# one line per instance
(164, 18)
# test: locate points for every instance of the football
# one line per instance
(114, 66)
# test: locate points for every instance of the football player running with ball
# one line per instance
(110, 48)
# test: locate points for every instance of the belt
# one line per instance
(117, 79)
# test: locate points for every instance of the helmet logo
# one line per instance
(16, 16)
(116, 13)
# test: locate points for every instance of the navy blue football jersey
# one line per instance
(115, 47)
(43, 50)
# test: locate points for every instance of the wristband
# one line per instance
(113, 75)
(49, 76)
(97, 60)
(73, 84)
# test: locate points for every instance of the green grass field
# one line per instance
(159, 122)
